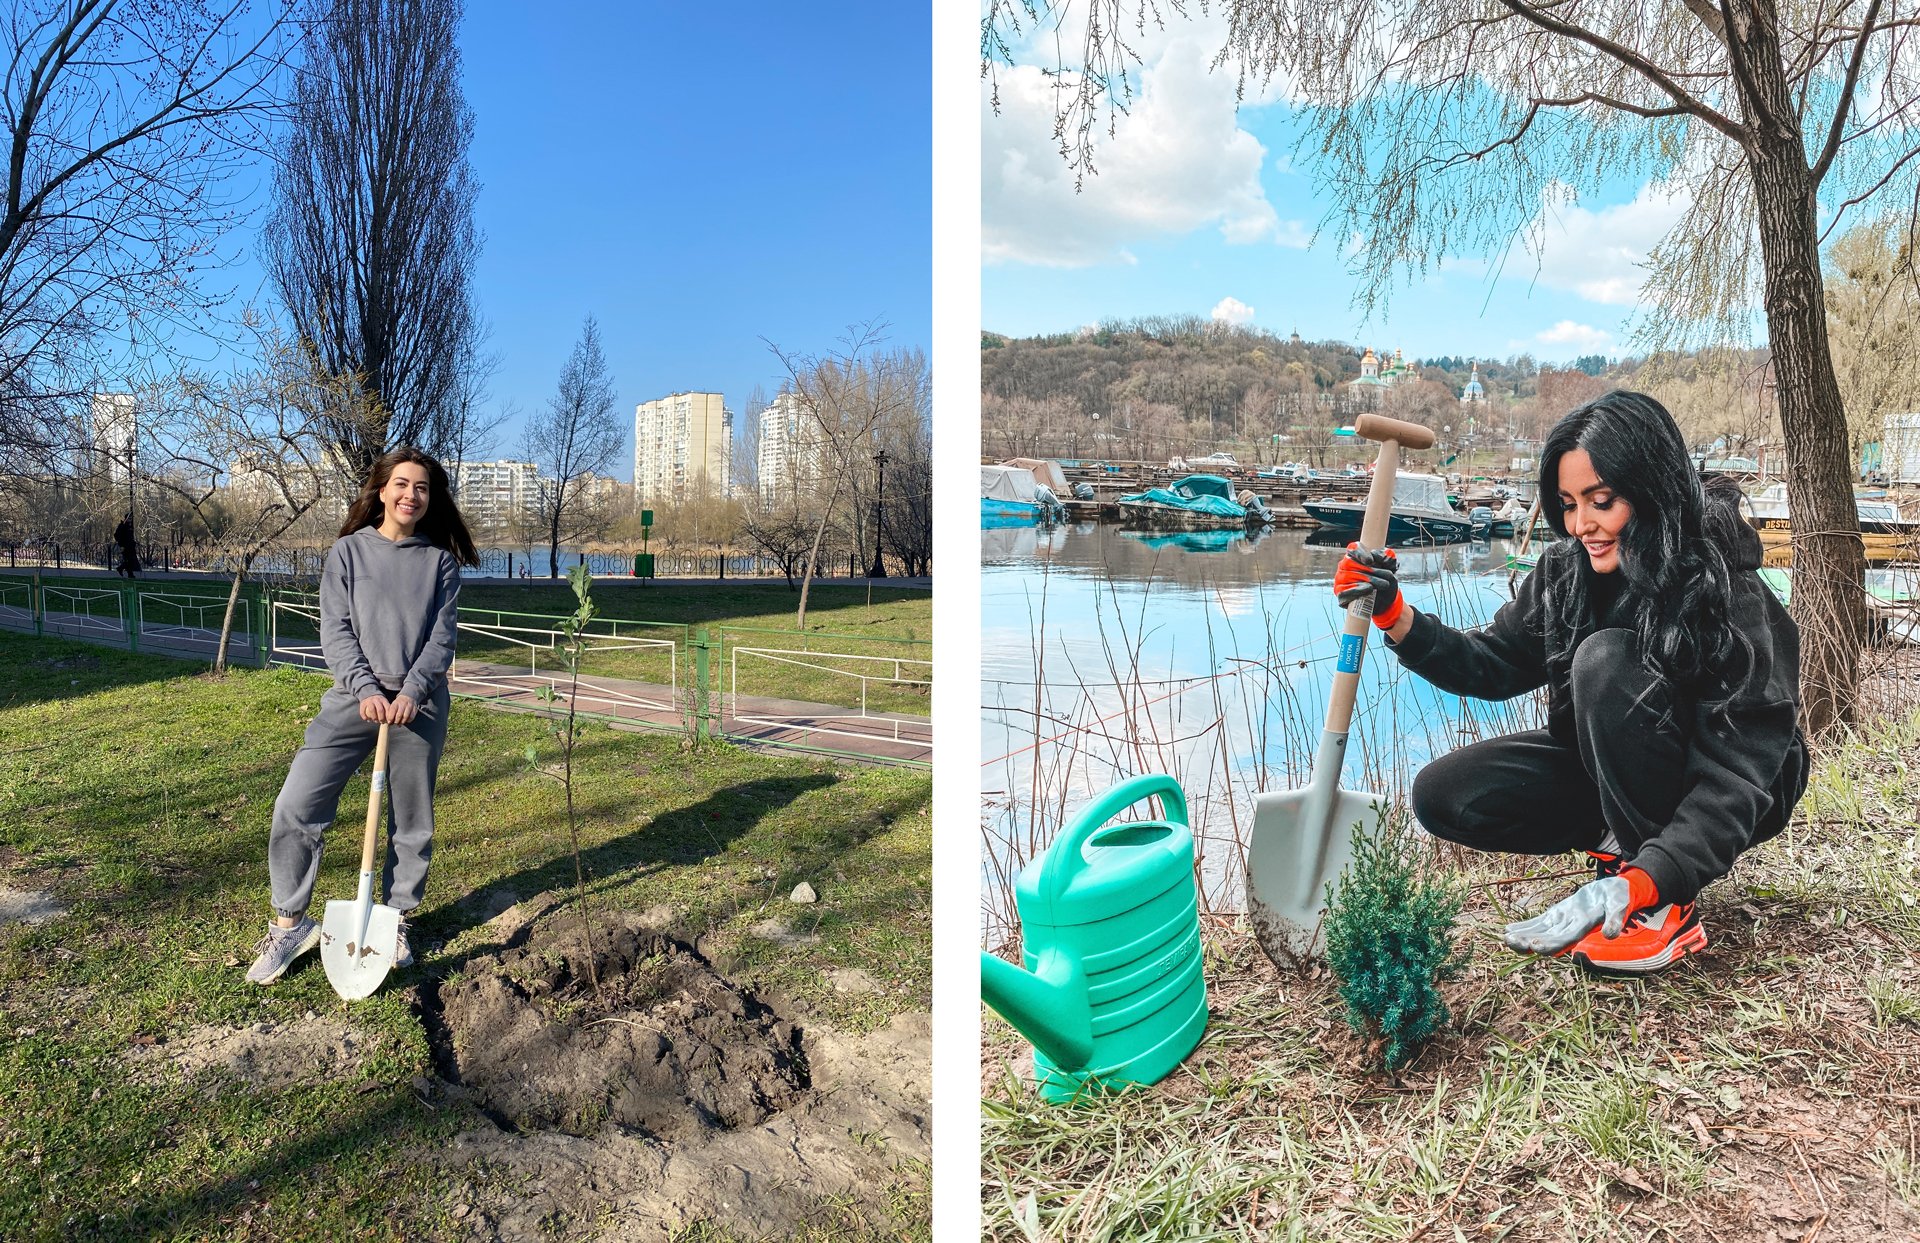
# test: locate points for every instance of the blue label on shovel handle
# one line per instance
(1350, 645)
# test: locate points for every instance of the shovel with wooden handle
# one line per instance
(357, 938)
(1302, 839)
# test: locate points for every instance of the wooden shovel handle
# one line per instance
(373, 799)
(1391, 433)
(1379, 427)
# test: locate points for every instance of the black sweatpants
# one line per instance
(1530, 793)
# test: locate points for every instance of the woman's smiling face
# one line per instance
(405, 496)
(1593, 514)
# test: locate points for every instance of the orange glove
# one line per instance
(1374, 572)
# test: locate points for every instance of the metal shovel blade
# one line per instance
(1290, 863)
(357, 944)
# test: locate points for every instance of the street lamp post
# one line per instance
(879, 569)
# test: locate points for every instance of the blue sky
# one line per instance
(1199, 210)
(698, 179)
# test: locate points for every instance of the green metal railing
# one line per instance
(833, 694)
(161, 620)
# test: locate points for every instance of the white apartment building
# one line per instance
(682, 444)
(789, 446)
(490, 493)
(111, 445)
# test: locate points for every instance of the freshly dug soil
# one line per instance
(667, 1047)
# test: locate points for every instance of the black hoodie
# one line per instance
(1740, 757)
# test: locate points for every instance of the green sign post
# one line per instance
(643, 560)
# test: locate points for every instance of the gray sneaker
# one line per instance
(277, 950)
(402, 952)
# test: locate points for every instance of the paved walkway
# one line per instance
(881, 737)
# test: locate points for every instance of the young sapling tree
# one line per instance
(1389, 930)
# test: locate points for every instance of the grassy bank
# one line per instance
(136, 792)
(1767, 1089)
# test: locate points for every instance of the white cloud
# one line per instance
(1581, 336)
(1601, 255)
(1233, 311)
(1293, 235)
(1179, 163)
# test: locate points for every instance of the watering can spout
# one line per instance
(1048, 1004)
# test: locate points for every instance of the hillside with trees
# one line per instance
(1157, 388)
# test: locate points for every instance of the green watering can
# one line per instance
(1112, 992)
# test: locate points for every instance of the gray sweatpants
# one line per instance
(338, 742)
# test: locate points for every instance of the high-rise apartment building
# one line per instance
(682, 447)
(492, 493)
(110, 448)
(789, 446)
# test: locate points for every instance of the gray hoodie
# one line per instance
(387, 614)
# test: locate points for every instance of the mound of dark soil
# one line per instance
(668, 1048)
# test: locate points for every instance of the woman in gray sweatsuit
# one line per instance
(388, 605)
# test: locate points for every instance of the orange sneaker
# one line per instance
(1653, 940)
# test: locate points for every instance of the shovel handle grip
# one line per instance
(379, 787)
(1065, 857)
(1379, 427)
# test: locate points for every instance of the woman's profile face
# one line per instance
(1592, 512)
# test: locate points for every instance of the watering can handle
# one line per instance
(1065, 857)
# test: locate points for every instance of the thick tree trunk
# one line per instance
(1829, 560)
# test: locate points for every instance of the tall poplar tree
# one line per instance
(371, 244)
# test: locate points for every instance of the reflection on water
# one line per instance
(1207, 654)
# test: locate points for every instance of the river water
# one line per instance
(1108, 653)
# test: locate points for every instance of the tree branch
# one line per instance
(1633, 60)
(1845, 106)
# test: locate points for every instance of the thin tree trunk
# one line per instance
(226, 622)
(813, 553)
(1829, 560)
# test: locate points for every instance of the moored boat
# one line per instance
(1010, 494)
(1194, 502)
(1420, 511)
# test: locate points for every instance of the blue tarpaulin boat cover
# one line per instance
(1202, 494)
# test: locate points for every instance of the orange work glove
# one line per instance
(1375, 572)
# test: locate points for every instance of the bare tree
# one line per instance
(847, 393)
(371, 243)
(578, 434)
(125, 122)
(1873, 324)
(1443, 128)
(245, 456)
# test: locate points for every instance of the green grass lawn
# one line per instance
(845, 655)
(138, 791)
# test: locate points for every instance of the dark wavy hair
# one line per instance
(1676, 552)
(442, 526)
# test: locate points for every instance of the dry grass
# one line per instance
(1767, 1089)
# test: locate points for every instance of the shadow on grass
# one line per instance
(41, 670)
(684, 837)
(352, 1128)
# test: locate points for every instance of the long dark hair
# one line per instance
(442, 526)
(1676, 552)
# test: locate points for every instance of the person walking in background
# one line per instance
(1673, 738)
(389, 598)
(129, 554)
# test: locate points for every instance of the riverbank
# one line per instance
(147, 1090)
(1768, 1088)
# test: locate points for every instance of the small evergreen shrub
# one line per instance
(1389, 930)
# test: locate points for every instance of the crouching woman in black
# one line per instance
(1672, 741)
